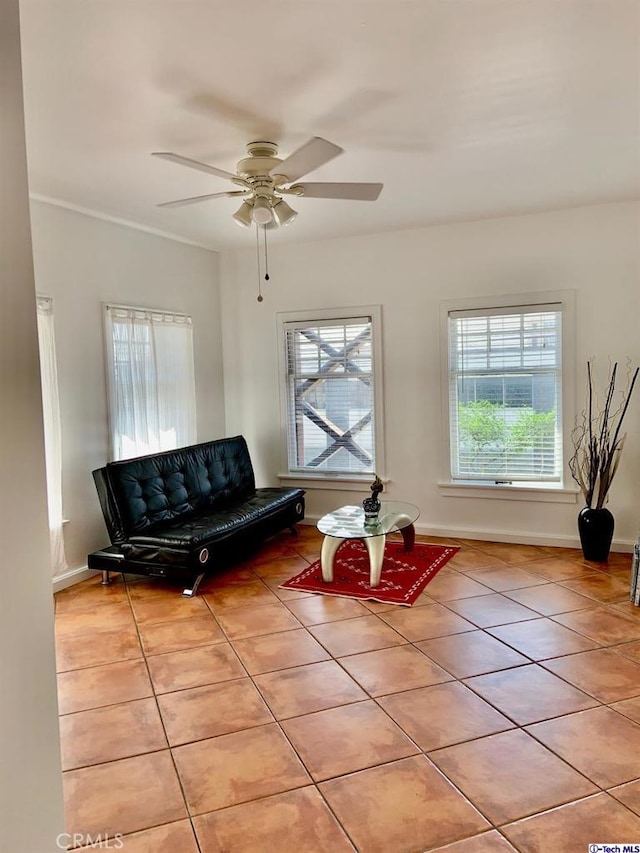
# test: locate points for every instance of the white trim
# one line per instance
(623, 546)
(508, 492)
(331, 482)
(73, 576)
(567, 298)
(312, 315)
(118, 220)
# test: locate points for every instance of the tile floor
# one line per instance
(501, 712)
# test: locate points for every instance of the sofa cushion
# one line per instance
(178, 484)
(173, 541)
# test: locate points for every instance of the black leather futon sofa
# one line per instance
(176, 514)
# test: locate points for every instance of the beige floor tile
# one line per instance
(510, 775)
(629, 794)
(274, 584)
(170, 838)
(91, 595)
(488, 842)
(601, 587)
(81, 621)
(422, 623)
(110, 733)
(442, 715)
(558, 568)
(194, 668)
(470, 559)
(472, 653)
(167, 608)
(542, 638)
(600, 743)
(574, 826)
(391, 670)
(505, 578)
(626, 608)
(511, 553)
(286, 567)
(317, 609)
(75, 652)
(550, 599)
(123, 796)
(109, 684)
(305, 689)
(383, 808)
(244, 622)
(629, 650)
(602, 673)
(602, 625)
(346, 739)
(629, 707)
(292, 822)
(352, 636)
(486, 611)
(272, 652)
(529, 694)
(205, 712)
(251, 594)
(237, 768)
(453, 585)
(160, 638)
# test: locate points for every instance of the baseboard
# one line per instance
(618, 545)
(72, 577)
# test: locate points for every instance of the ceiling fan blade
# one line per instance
(313, 154)
(354, 192)
(196, 198)
(194, 164)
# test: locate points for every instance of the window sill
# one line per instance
(329, 481)
(500, 491)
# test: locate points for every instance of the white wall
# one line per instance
(31, 814)
(594, 250)
(81, 262)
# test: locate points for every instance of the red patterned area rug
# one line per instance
(404, 575)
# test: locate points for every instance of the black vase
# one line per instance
(596, 532)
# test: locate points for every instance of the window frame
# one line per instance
(560, 492)
(329, 479)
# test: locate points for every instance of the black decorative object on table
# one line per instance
(372, 505)
(597, 444)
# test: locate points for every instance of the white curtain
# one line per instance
(52, 431)
(151, 378)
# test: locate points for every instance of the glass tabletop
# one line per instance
(348, 522)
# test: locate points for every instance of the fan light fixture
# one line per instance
(243, 214)
(283, 213)
(262, 177)
(261, 213)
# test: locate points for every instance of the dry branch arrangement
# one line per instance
(597, 440)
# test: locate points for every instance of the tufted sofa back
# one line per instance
(137, 494)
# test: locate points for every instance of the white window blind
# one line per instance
(505, 393)
(330, 396)
(151, 378)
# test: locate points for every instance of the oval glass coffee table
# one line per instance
(349, 522)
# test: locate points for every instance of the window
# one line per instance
(505, 392)
(52, 431)
(151, 381)
(330, 394)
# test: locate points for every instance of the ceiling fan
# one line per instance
(264, 179)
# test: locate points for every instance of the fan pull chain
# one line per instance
(260, 296)
(266, 255)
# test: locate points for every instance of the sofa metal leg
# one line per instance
(294, 529)
(106, 580)
(189, 592)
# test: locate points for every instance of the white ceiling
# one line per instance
(462, 108)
